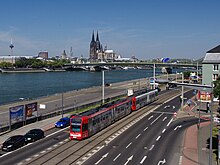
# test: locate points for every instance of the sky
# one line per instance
(146, 29)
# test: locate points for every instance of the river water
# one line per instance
(17, 86)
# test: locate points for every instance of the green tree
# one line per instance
(216, 90)
(6, 65)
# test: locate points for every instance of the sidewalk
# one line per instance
(195, 151)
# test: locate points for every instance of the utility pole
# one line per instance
(182, 102)
(211, 126)
(154, 75)
(62, 98)
(103, 87)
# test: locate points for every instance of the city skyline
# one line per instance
(146, 30)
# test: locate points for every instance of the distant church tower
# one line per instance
(95, 47)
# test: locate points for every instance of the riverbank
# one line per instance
(29, 70)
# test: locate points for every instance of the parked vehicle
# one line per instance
(33, 135)
(90, 122)
(13, 143)
(63, 122)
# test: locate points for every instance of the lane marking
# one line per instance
(117, 157)
(145, 128)
(138, 136)
(158, 138)
(151, 147)
(180, 161)
(142, 161)
(179, 126)
(164, 118)
(128, 145)
(104, 156)
(169, 122)
(150, 117)
(156, 118)
(163, 130)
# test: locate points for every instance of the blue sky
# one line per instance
(144, 28)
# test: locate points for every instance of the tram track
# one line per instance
(75, 152)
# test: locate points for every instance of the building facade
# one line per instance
(43, 54)
(211, 66)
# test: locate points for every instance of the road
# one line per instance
(56, 148)
(156, 139)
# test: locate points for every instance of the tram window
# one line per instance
(93, 122)
(85, 127)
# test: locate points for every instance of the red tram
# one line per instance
(90, 122)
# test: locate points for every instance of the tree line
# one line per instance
(34, 63)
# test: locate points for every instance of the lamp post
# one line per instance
(211, 126)
(154, 75)
(62, 98)
(182, 102)
(103, 87)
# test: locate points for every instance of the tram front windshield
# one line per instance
(76, 124)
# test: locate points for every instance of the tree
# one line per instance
(6, 65)
(216, 90)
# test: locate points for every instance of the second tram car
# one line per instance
(90, 122)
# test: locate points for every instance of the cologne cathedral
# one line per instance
(95, 48)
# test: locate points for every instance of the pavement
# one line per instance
(194, 149)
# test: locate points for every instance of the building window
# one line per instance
(215, 67)
(214, 77)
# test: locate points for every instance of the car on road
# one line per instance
(33, 135)
(63, 122)
(216, 120)
(13, 143)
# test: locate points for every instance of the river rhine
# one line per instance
(16, 86)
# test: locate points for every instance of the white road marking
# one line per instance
(42, 152)
(28, 159)
(169, 122)
(161, 162)
(145, 128)
(129, 159)
(179, 126)
(158, 138)
(150, 117)
(117, 157)
(128, 145)
(104, 156)
(164, 118)
(163, 130)
(36, 155)
(156, 118)
(180, 161)
(138, 136)
(142, 161)
(151, 147)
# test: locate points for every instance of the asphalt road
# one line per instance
(135, 142)
(155, 139)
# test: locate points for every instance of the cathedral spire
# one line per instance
(97, 37)
(93, 37)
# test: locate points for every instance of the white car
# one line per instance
(216, 120)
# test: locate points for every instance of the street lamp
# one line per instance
(62, 98)
(182, 104)
(103, 87)
(154, 75)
